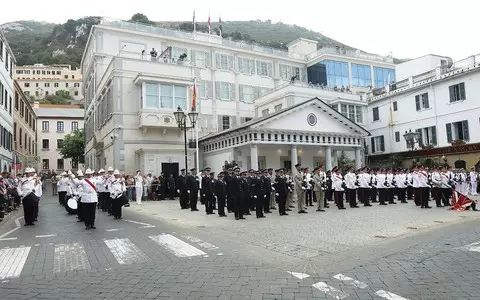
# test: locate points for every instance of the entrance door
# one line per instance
(287, 165)
(170, 168)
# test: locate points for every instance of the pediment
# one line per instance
(312, 116)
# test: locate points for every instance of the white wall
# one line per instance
(418, 66)
(6, 105)
(441, 111)
(216, 160)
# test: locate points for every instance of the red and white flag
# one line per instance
(460, 201)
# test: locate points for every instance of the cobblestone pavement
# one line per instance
(160, 252)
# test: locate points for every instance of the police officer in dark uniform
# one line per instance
(251, 180)
(182, 190)
(268, 190)
(220, 190)
(281, 191)
(228, 180)
(246, 194)
(208, 191)
(258, 193)
(192, 190)
(236, 193)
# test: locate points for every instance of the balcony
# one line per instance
(171, 68)
(153, 118)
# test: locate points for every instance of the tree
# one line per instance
(74, 147)
(60, 97)
(141, 18)
(344, 162)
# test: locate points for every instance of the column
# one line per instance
(334, 158)
(328, 158)
(254, 156)
(358, 158)
(294, 156)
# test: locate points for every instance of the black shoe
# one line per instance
(274, 208)
(367, 205)
(428, 207)
(222, 215)
(341, 208)
(288, 209)
(242, 218)
(93, 227)
(285, 214)
(87, 228)
(320, 210)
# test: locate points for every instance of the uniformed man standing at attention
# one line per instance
(220, 189)
(318, 186)
(236, 193)
(257, 187)
(299, 189)
(182, 190)
(207, 193)
(281, 191)
(192, 189)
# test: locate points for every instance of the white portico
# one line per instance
(311, 133)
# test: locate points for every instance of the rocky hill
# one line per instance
(40, 42)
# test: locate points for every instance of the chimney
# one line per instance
(36, 104)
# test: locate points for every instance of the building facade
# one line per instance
(39, 81)
(439, 106)
(54, 122)
(7, 65)
(135, 77)
(24, 131)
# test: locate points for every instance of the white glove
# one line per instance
(188, 192)
(264, 196)
(178, 191)
(203, 195)
(277, 194)
(303, 188)
(255, 197)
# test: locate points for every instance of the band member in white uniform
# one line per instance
(26, 189)
(117, 190)
(89, 199)
(62, 185)
(38, 192)
(139, 187)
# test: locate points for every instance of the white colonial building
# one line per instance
(7, 64)
(440, 104)
(135, 76)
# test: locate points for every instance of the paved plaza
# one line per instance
(161, 252)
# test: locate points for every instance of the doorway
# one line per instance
(287, 165)
(167, 170)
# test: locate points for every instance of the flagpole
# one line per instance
(209, 26)
(194, 23)
(197, 155)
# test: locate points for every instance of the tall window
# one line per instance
(264, 68)
(457, 131)
(337, 73)
(60, 164)
(45, 125)
(225, 122)
(378, 144)
(383, 76)
(246, 65)
(59, 144)
(376, 114)
(457, 92)
(427, 136)
(45, 144)
(361, 75)
(165, 96)
(421, 101)
(60, 126)
(224, 61)
(225, 90)
(45, 164)
(74, 125)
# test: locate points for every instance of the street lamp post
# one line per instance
(411, 138)
(181, 118)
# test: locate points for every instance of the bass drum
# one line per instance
(71, 206)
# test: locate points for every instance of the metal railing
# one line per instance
(190, 35)
(349, 53)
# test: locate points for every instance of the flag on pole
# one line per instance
(194, 95)
(220, 26)
(209, 24)
(194, 23)
(461, 202)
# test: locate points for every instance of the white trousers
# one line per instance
(473, 188)
(139, 194)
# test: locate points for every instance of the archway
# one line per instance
(460, 164)
(477, 166)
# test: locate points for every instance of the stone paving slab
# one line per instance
(315, 232)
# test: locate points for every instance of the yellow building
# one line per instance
(24, 131)
(40, 81)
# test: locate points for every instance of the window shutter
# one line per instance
(466, 135)
(220, 123)
(451, 90)
(230, 63)
(217, 90)
(208, 59)
(427, 104)
(420, 137)
(251, 64)
(256, 92)
(449, 132)
(434, 135)
(192, 57)
(217, 61)
(372, 143)
(382, 143)
(461, 88)
(232, 91)
(240, 65)
(258, 66)
(208, 89)
(240, 92)
(269, 69)
(417, 102)
(233, 121)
